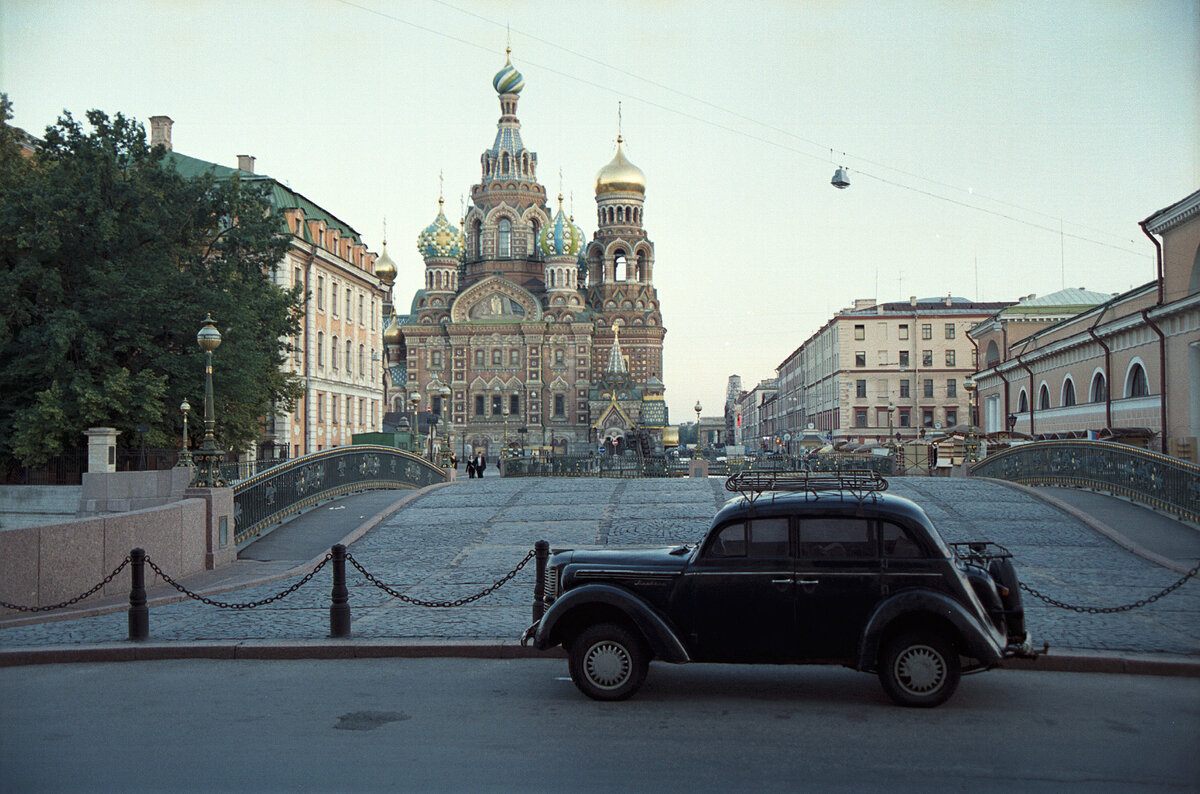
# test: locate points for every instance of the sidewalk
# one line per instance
(450, 541)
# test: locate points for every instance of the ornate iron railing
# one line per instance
(1148, 478)
(663, 466)
(302, 482)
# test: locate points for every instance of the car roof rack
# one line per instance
(858, 482)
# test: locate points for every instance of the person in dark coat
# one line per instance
(480, 465)
(471, 467)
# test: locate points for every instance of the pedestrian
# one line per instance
(453, 461)
(480, 465)
(471, 468)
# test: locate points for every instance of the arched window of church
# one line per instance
(620, 214)
(1099, 388)
(642, 265)
(504, 239)
(1068, 393)
(473, 239)
(1136, 384)
(534, 230)
(504, 164)
(621, 267)
(1044, 399)
(1023, 403)
(993, 354)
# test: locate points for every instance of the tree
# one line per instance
(109, 261)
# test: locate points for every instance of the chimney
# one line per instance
(246, 163)
(949, 301)
(160, 131)
(913, 300)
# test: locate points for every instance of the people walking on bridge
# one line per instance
(480, 464)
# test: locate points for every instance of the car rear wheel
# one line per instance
(919, 669)
(608, 662)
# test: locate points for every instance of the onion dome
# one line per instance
(385, 268)
(440, 238)
(392, 334)
(620, 176)
(508, 80)
(560, 236)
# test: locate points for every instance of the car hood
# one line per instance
(658, 560)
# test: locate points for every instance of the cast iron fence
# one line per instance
(632, 466)
(1147, 478)
(299, 483)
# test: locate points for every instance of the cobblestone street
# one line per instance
(455, 541)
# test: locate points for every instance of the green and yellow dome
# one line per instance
(441, 239)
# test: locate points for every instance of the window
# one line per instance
(504, 239)
(904, 388)
(1099, 388)
(321, 293)
(320, 406)
(333, 408)
(729, 542)
(320, 348)
(951, 417)
(927, 417)
(497, 357)
(905, 418)
(372, 315)
(479, 358)
(437, 406)
(560, 405)
(558, 358)
(860, 417)
(333, 298)
(949, 358)
(860, 332)
(904, 358)
(902, 331)
(1136, 384)
(348, 299)
(361, 314)
(949, 330)
(951, 388)
(479, 405)
(514, 357)
(926, 358)
(362, 353)
(768, 538)
(296, 348)
(435, 358)
(514, 404)
(1022, 402)
(1044, 398)
(928, 387)
(898, 544)
(860, 358)
(334, 354)
(495, 405)
(860, 388)
(837, 538)
(349, 356)
(1068, 395)
(926, 331)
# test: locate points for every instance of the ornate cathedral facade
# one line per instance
(525, 333)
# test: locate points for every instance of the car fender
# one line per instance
(655, 627)
(979, 640)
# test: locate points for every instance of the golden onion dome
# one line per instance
(392, 334)
(385, 268)
(620, 176)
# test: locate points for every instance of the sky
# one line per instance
(994, 149)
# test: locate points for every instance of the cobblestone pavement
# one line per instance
(455, 541)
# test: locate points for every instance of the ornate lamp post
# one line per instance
(208, 457)
(415, 400)
(972, 437)
(444, 394)
(699, 444)
(185, 457)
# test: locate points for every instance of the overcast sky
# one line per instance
(995, 149)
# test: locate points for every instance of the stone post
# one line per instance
(102, 449)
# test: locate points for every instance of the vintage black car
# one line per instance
(802, 568)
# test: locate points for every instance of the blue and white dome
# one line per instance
(440, 239)
(508, 80)
(561, 237)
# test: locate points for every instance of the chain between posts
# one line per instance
(441, 604)
(248, 605)
(1112, 610)
(76, 599)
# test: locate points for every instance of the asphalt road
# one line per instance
(495, 725)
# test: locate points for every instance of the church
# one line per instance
(525, 335)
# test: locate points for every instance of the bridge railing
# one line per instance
(1147, 478)
(662, 466)
(299, 483)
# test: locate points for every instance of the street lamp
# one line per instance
(972, 438)
(699, 444)
(444, 393)
(208, 470)
(415, 400)
(185, 457)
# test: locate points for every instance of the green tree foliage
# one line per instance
(109, 261)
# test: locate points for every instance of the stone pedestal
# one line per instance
(102, 448)
(220, 548)
(698, 468)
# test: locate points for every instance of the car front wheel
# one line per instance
(608, 662)
(919, 669)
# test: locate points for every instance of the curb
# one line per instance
(281, 650)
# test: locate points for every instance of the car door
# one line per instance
(837, 584)
(741, 593)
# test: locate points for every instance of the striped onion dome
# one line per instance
(508, 80)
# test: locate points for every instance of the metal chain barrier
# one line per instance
(440, 604)
(1111, 610)
(248, 605)
(75, 600)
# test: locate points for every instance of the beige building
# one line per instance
(338, 353)
(910, 357)
(1128, 368)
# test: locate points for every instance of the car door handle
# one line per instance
(789, 580)
(810, 581)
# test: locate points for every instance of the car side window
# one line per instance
(898, 544)
(837, 537)
(768, 538)
(729, 542)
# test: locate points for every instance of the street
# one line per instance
(506, 725)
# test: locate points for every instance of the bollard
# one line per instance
(339, 610)
(139, 613)
(541, 554)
